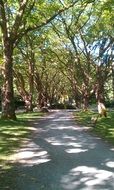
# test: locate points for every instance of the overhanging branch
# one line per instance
(50, 19)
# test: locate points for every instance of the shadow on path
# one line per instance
(62, 156)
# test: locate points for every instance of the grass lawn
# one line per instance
(13, 133)
(104, 127)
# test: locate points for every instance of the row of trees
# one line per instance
(54, 48)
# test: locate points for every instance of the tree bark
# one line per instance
(20, 84)
(85, 97)
(85, 102)
(31, 81)
(99, 92)
(113, 81)
(8, 107)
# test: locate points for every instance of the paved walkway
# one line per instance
(63, 156)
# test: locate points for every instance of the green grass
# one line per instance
(12, 136)
(13, 133)
(104, 126)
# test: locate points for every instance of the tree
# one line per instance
(17, 19)
(25, 49)
(78, 61)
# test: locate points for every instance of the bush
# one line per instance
(61, 106)
(0, 106)
(19, 103)
(109, 104)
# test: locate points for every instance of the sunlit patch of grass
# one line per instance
(84, 117)
(104, 126)
(29, 116)
(12, 136)
(13, 133)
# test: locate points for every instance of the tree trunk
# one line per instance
(20, 84)
(113, 80)
(8, 107)
(100, 99)
(85, 102)
(31, 81)
(41, 100)
(77, 101)
(85, 96)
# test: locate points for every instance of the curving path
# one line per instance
(63, 156)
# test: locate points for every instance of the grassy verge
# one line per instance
(13, 133)
(104, 127)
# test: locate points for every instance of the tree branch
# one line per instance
(3, 21)
(50, 19)
(18, 18)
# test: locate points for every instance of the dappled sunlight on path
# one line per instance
(87, 177)
(62, 156)
(31, 155)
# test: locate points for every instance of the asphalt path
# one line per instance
(63, 156)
